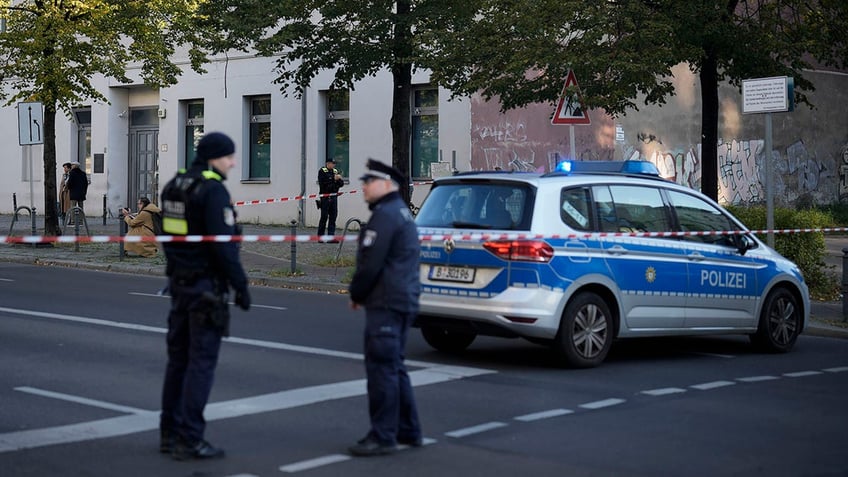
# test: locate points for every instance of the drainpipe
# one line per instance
(301, 210)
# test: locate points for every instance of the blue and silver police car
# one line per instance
(592, 252)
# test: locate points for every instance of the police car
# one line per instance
(592, 252)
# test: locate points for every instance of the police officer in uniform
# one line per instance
(199, 277)
(386, 284)
(329, 182)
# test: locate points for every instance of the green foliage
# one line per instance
(806, 249)
(53, 49)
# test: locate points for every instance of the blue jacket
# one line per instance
(386, 273)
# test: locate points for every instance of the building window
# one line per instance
(259, 162)
(193, 129)
(338, 129)
(425, 131)
(83, 120)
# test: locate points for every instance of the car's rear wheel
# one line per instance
(780, 322)
(585, 331)
(446, 340)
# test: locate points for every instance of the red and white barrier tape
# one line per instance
(241, 203)
(477, 236)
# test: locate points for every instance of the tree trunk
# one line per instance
(401, 97)
(709, 125)
(51, 218)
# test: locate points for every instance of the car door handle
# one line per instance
(617, 250)
(695, 257)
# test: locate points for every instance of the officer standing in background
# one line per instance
(196, 202)
(329, 182)
(386, 283)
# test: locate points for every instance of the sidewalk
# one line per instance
(270, 263)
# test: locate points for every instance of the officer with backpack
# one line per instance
(200, 275)
(145, 223)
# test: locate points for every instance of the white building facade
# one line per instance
(133, 145)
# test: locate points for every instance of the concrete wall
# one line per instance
(810, 146)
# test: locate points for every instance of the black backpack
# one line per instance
(175, 200)
(157, 222)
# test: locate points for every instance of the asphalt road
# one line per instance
(82, 357)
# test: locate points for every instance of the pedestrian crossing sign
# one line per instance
(570, 108)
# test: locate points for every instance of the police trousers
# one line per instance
(329, 212)
(391, 404)
(194, 341)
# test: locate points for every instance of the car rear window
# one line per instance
(477, 205)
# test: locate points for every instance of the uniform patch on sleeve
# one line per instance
(229, 216)
(369, 238)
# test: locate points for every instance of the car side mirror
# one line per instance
(744, 243)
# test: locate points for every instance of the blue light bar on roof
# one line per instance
(620, 167)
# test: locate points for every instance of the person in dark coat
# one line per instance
(199, 278)
(329, 182)
(386, 284)
(77, 185)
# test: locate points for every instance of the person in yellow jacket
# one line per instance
(141, 224)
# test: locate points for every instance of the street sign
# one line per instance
(570, 109)
(768, 95)
(30, 124)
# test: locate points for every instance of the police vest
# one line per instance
(176, 197)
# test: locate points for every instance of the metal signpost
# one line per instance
(768, 95)
(30, 132)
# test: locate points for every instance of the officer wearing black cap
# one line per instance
(386, 284)
(329, 182)
(196, 202)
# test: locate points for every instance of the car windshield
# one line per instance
(477, 205)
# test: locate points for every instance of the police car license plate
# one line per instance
(452, 274)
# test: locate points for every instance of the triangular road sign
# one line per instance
(570, 109)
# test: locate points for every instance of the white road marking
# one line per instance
(334, 458)
(840, 369)
(244, 341)
(801, 374)
(712, 385)
(149, 420)
(602, 404)
(543, 415)
(475, 429)
(81, 400)
(663, 391)
(6, 280)
(757, 379)
(256, 305)
(141, 420)
(313, 463)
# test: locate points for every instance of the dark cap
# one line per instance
(378, 170)
(213, 146)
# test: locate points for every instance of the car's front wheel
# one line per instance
(780, 322)
(585, 331)
(446, 340)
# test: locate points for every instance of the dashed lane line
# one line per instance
(712, 385)
(840, 369)
(663, 391)
(602, 403)
(313, 463)
(552, 413)
(757, 379)
(467, 431)
(543, 415)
